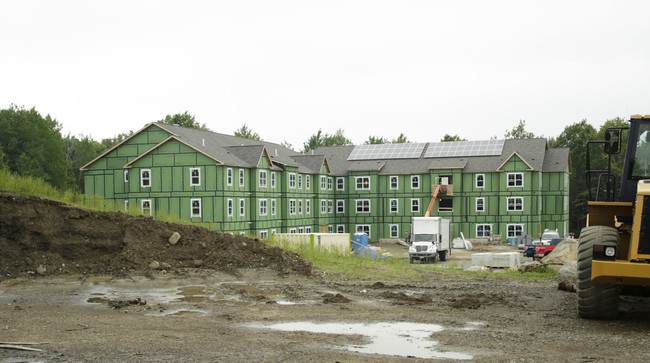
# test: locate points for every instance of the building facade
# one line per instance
(242, 186)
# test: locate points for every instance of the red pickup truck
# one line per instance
(539, 251)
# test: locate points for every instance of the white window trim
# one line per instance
(390, 182)
(261, 178)
(390, 230)
(301, 229)
(390, 206)
(330, 183)
(308, 229)
(292, 230)
(292, 180)
(242, 207)
(299, 182)
(330, 206)
(126, 205)
(362, 201)
(300, 206)
(142, 206)
(415, 208)
(142, 178)
(307, 182)
(192, 214)
(264, 234)
(515, 180)
(323, 206)
(292, 207)
(356, 182)
(341, 185)
(272, 179)
(229, 177)
(476, 181)
(476, 204)
(308, 206)
(242, 179)
(415, 178)
(230, 207)
(515, 204)
(484, 225)
(330, 228)
(323, 182)
(356, 228)
(192, 184)
(126, 176)
(340, 228)
(273, 207)
(262, 207)
(514, 225)
(342, 206)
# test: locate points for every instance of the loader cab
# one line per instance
(637, 157)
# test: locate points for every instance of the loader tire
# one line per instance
(595, 300)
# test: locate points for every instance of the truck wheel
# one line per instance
(432, 259)
(595, 300)
(442, 255)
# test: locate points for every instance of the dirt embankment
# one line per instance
(42, 236)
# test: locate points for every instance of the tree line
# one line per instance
(32, 145)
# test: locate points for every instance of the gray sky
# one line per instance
(288, 68)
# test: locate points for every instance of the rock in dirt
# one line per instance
(565, 251)
(154, 265)
(41, 269)
(174, 238)
(566, 286)
(338, 298)
(570, 269)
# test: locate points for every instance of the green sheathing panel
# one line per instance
(105, 177)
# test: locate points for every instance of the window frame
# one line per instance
(143, 178)
(292, 207)
(390, 205)
(200, 209)
(273, 179)
(359, 228)
(482, 204)
(262, 178)
(323, 182)
(242, 178)
(262, 207)
(390, 182)
(361, 208)
(142, 202)
(299, 181)
(390, 230)
(415, 182)
(323, 206)
(415, 208)
(230, 207)
(198, 183)
(300, 206)
(126, 176)
(308, 182)
(330, 183)
(485, 232)
(242, 207)
(273, 207)
(229, 177)
(340, 228)
(330, 206)
(292, 180)
(514, 226)
(340, 183)
(515, 183)
(308, 206)
(515, 204)
(361, 178)
(340, 206)
(481, 178)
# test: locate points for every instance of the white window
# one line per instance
(515, 179)
(480, 180)
(308, 206)
(323, 182)
(126, 176)
(264, 234)
(272, 179)
(480, 204)
(363, 205)
(292, 230)
(330, 183)
(242, 207)
(195, 206)
(340, 228)
(292, 206)
(262, 178)
(363, 228)
(272, 207)
(323, 206)
(230, 208)
(145, 178)
(299, 181)
(241, 177)
(330, 229)
(330, 206)
(301, 230)
(483, 230)
(415, 182)
(229, 176)
(273, 231)
(195, 177)
(415, 205)
(307, 182)
(394, 231)
(145, 206)
(340, 183)
(515, 230)
(126, 205)
(394, 184)
(393, 205)
(362, 182)
(340, 206)
(515, 204)
(308, 229)
(300, 206)
(262, 208)
(292, 180)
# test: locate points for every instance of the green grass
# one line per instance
(18, 184)
(348, 267)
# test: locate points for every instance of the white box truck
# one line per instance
(430, 237)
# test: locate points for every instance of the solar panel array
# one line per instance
(387, 151)
(464, 148)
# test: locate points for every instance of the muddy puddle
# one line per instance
(394, 339)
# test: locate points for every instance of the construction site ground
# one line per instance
(82, 286)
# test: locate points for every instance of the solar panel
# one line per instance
(387, 151)
(464, 148)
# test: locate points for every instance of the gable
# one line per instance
(172, 152)
(515, 163)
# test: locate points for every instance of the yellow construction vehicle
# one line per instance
(614, 247)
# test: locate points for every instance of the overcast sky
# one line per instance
(288, 68)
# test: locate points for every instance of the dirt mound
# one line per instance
(39, 235)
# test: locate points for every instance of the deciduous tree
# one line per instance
(185, 120)
(247, 133)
